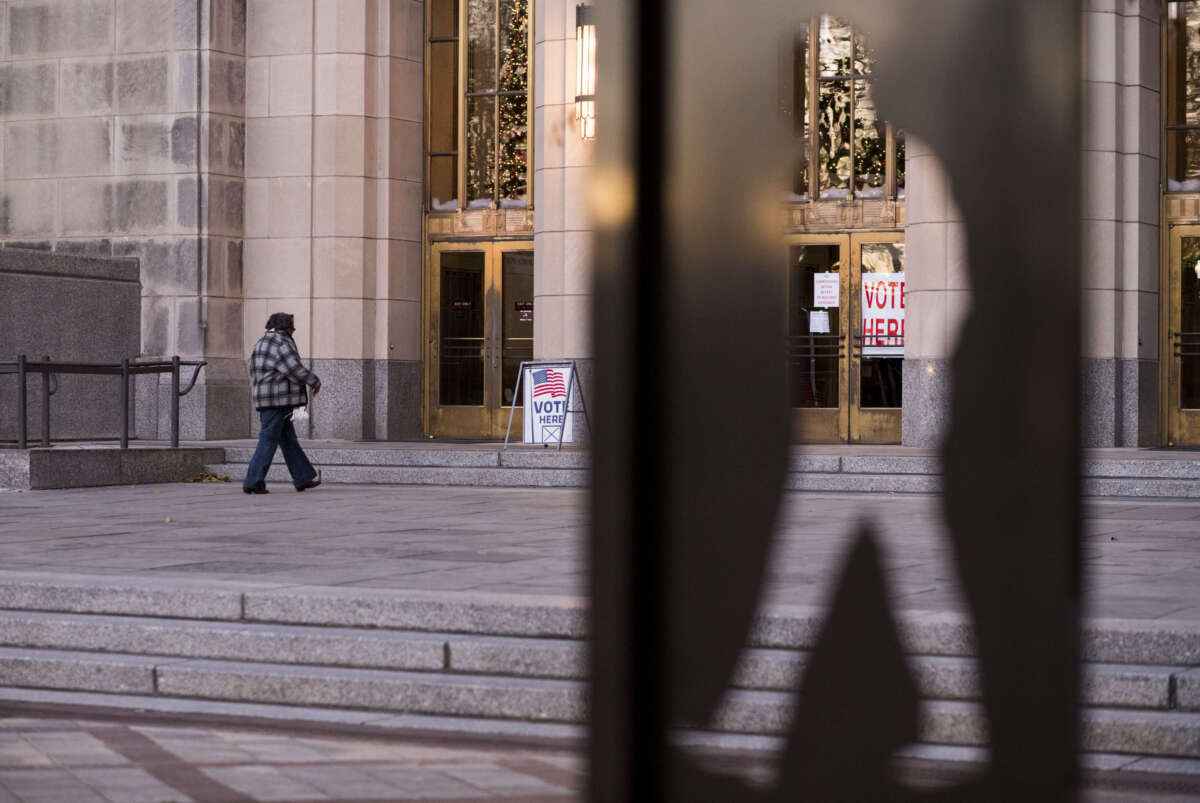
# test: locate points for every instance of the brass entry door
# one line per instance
(1183, 337)
(846, 348)
(479, 319)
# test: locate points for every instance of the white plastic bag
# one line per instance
(300, 415)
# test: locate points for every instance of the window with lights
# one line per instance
(478, 93)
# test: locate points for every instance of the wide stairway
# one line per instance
(500, 665)
(1150, 473)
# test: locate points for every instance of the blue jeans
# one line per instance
(277, 431)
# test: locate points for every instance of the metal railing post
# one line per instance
(175, 401)
(45, 402)
(125, 403)
(22, 413)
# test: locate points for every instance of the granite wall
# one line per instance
(71, 309)
(123, 135)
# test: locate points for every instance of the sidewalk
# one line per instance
(1142, 558)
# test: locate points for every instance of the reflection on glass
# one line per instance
(514, 146)
(443, 96)
(881, 378)
(834, 136)
(443, 183)
(798, 83)
(863, 58)
(870, 144)
(833, 54)
(443, 122)
(1189, 323)
(517, 319)
(899, 161)
(481, 151)
(514, 109)
(481, 45)
(443, 18)
(1183, 96)
(460, 361)
(514, 44)
(1183, 161)
(814, 333)
(1183, 44)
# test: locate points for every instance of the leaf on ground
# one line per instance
(206, 476)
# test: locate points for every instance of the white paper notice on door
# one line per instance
(818, 322)
(825, 290)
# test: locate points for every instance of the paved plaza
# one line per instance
(97, 760)
(1142, 557)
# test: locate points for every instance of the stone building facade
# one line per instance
(331, 158)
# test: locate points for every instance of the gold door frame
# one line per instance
(828, 424)
(1182, 425)
(867, 424)
(849, 422)
(489, 420)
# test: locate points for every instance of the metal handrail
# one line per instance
(126, 368)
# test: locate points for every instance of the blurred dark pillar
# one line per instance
(627, 703)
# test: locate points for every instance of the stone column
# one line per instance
(562, 170)
(1120, 223)
(334, 188)
(123, 136)
(938, 294)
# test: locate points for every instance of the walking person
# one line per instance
(280, 384)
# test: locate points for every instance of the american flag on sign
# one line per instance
(548, 382)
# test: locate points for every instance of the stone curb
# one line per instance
(1117, 641)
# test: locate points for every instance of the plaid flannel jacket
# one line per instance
(277, 374)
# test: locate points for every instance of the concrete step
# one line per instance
(443, 694)
(946, 678)
(1160, 733)
(469, 476)
(353, 647)
(943, 722)
(797, 628)
(937, 677)
(845, 482)
(1135, 476)
(487, 457)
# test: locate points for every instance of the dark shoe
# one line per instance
(246, 490)
(313, 483)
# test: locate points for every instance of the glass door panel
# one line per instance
(462, 335)
(883, 301)
(517, 337)
(817, 289)
(480, 327)
(846, 300)
(1183, 337)
(877, 358)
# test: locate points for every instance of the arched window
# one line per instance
(849, 152)
(478, 104)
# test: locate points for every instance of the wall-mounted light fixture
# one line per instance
(585, 71)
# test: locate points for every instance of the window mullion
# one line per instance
(531, 54)
(463, 155)
(889, 170)
(814, 119)
(496, 108)
(850, 129)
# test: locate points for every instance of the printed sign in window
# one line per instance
(883, 314)
(825, 290)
